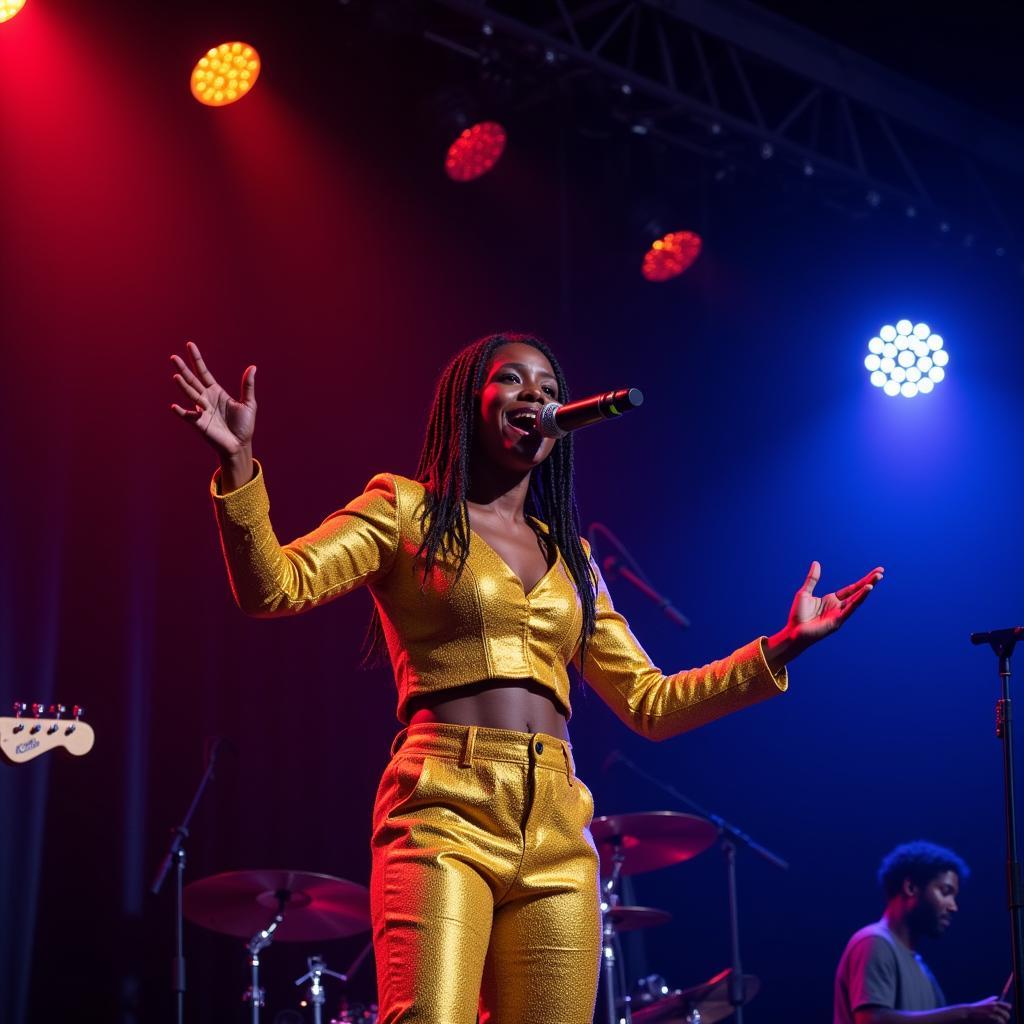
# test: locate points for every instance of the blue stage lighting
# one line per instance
(906, 360)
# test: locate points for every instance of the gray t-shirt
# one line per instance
(876, 969)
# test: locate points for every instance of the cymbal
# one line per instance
(316, 907)
(711, 998)
(629, 919)
(652, 839)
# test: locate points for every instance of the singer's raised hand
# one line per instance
(812, 617)
(225, 423)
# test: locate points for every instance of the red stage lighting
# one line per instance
(9, 8)
(225, 74)
(475, 151)
(671, 255)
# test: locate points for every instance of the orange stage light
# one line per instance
(9, 8)
(475, 151)
(669, 256)
(225, 74)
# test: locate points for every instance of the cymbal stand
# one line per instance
(317, 969)
(731, 838)
(254, 995)
(611, 954)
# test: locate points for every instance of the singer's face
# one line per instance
(519, 377)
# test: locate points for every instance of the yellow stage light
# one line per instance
(224, 73)
(9, 8)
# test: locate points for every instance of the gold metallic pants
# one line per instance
(484, 890)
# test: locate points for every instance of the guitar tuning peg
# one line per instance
(37, 711)
(56, 710)
(19, 708)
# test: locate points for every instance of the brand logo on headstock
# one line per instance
(24, 748)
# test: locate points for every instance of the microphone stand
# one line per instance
(731, 838)
(176, 855)
(626, 566)
(1002, 642)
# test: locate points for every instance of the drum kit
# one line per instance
(262, 907)
(286, 906)
(631, 844)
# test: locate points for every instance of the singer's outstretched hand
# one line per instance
(225, 423)
(812, 617)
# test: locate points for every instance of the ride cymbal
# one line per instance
(316, 907)
(651, 839)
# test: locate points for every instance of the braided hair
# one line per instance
(444, 471)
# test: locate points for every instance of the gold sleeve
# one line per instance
(351, 547)
(660, 706)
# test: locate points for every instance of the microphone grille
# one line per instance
(546, 422)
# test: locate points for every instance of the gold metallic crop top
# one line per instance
(441, 634)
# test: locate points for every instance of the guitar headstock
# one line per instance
(22, 739)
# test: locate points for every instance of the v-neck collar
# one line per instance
(551, 568)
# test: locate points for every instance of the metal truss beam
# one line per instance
(724, 71)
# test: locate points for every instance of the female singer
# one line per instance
(484, 889)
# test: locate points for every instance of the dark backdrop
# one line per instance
(310, 230)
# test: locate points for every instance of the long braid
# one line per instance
(443, 469)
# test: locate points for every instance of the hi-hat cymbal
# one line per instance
(650, 840)
(711, 998)
(316, 907)
(629, 919)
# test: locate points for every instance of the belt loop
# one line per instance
(466, 761)
(568, 762)
(396, 743)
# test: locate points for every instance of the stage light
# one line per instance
(906, 360)
(670, 255)
(9, 8)
(475, 151)
(225, 73)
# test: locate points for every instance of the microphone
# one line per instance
(555, 420)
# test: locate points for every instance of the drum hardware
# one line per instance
(254, 995)
(706, 1003)
(611, 950)
(307, 907)
(315, 994)
(730, 838)
(629, 844)
(317, 969)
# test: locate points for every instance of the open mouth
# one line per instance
(522, 421)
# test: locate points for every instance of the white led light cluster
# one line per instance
(906, 360)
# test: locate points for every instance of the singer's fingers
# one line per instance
(186, 371)
(850, 604)
(872, 577)
(813, 575)
(249, 385)
(197, 358)
(190, 392)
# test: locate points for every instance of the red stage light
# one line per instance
(670, 256)
(225, 74)
(9, 8)
(475, 151)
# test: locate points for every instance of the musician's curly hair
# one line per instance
(444, 471)
(919, 861)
